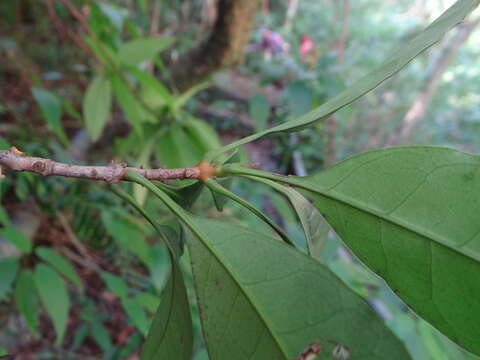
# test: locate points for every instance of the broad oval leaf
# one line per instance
(390, 66)
(171, 335)
(138, 50)
(60, 263)
(411, 215)
(54, 296)
(262, 299)
(96, 106)
(26, 299)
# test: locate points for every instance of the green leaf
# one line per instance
(115, 284)
(136, 314)
(54, 297)
(128, 103)
(261, 297)
(265, 299)
(149, 301)
(384, 71)
(51, 109)
(96, 106)
(3, 352)
(177, 149)
(101, 336)
(150, 82)
(139, 50)
(26, 299)
(126, 235)
(259, 109)
(201, 132)
(17, 238)
(60, 263)
(314, 224)
(411, 215)
(8, 271)
(171, 334)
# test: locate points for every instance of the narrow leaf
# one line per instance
(115, 284)
(60, 263)
(128, 103)
(26, 299)
(96, 106)
(8, 271)
(171, 334)
(314, 224)
(54, 297)
(384, 71)
(136, 314)
(139, 50)
(51, 109)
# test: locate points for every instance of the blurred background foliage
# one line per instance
(146, 82)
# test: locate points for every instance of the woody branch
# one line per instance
(112, 173)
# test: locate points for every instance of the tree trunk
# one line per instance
(223, 48)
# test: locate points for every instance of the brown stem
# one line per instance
(111, 173)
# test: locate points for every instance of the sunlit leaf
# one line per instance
(96, 106)
(54, 297)
(139, 50)
(130, 106)
(51, 109)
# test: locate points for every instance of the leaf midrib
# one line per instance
(247, 294)
(395, 221)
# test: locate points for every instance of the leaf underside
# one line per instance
(261, 299)
(411, 215)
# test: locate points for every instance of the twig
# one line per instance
(112, 173)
